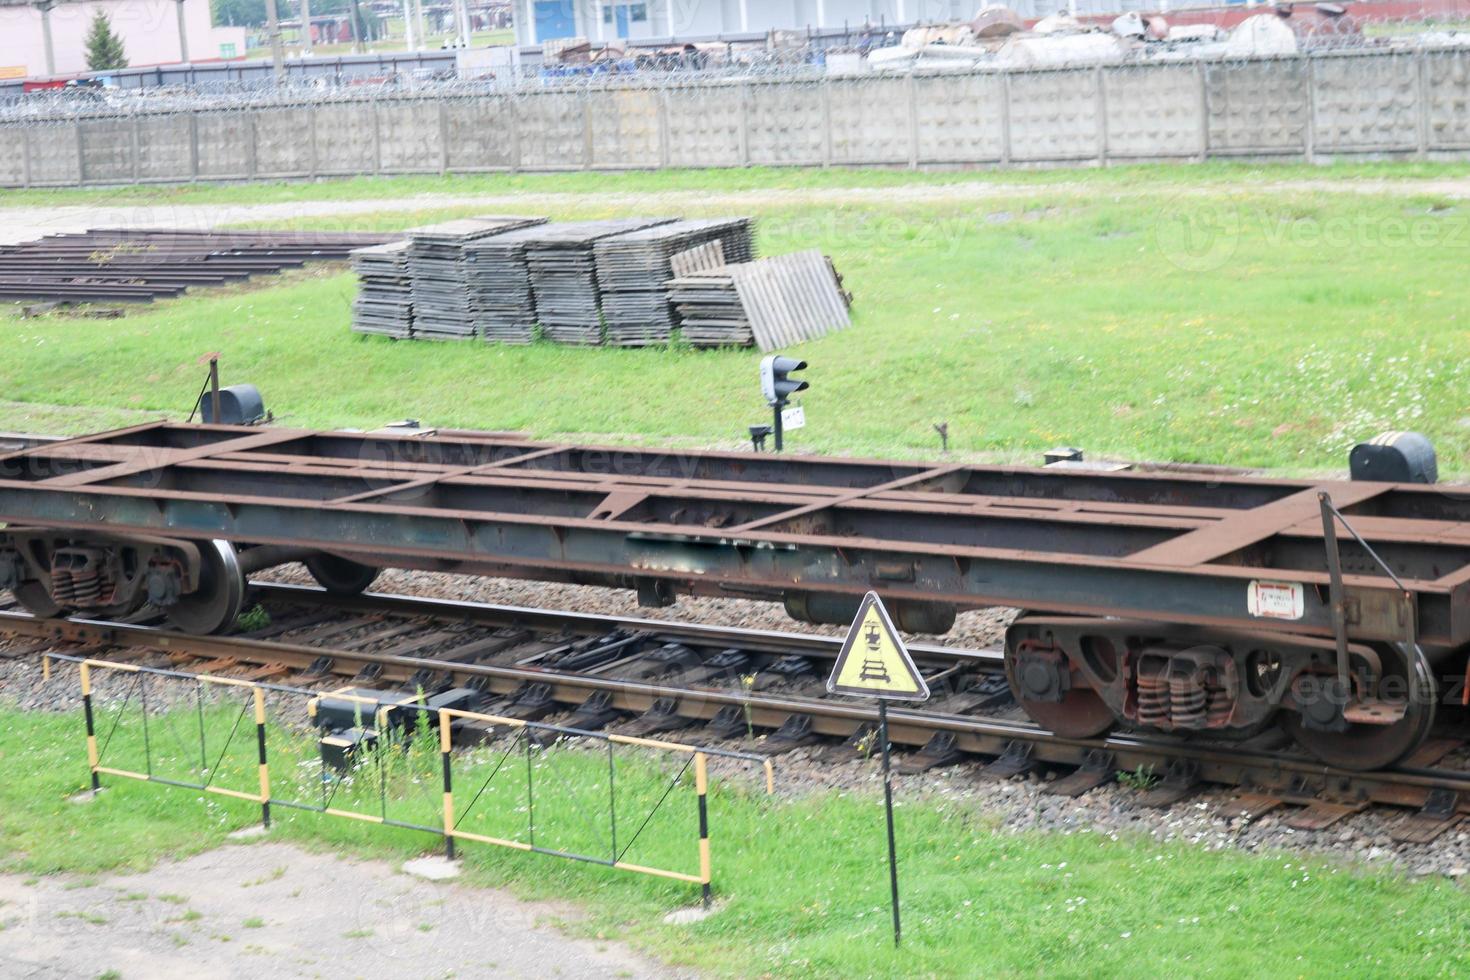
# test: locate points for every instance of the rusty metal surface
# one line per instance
(1176, 547)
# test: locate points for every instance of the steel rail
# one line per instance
(1253, 769)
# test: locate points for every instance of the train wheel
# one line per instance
(1081, 713)
(341, 576)
(215, 605)
(1364, 747)
(35, 600)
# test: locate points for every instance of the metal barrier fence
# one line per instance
(399, 747)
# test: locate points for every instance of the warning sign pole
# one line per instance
(874, 663)
(888, 805)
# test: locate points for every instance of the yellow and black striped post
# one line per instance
(265, 776)
(445, 742)
(92, 760)
(701, 789)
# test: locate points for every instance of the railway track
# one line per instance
(713, 683)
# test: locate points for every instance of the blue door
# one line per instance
(621, 12)
(554, 19)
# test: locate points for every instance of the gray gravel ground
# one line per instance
(271, 910)
(1015, 805)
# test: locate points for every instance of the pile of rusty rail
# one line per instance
(139, 265)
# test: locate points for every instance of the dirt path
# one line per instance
(271, 910)
(19, 224)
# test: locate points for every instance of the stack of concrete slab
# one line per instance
(563, 270)
(772, 303)
(384, 303)
(632, 270)
(504, 308)
(436, 263)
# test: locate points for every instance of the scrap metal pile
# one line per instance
(620, 282)
(133, 265)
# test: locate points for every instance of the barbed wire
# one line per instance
(1311, 37)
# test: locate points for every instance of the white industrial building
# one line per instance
(537, 21)
(50, 37)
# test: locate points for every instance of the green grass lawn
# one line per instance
(800, 879)
(1203, 322)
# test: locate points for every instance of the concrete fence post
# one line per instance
(825, 87)
(911, 89)
(587, 152)
(744, 138)
(377, 139)
(135, 137)
(665, 148)
(81, 153)
(194, 146)
(311, 133)
(1202, 76)
(26, 151)
(1100, 80)
(1309, 130)
(1005, 119)
(443, 109)
(1421, 103)
(252, 148)
(513, 107)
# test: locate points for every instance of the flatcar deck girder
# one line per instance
(1179, 547)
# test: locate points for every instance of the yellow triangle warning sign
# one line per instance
(873, 661)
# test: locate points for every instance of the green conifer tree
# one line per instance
(104, 48)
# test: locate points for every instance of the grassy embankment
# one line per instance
(801, 880)
(1169, 313)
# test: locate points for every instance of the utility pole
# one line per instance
(45, 7)
(183, 32)
(273, 28)
(409, 34)
(306, 27)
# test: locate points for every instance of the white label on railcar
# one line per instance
(1275, 600)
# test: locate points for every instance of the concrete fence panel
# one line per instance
(1055, 116)
(706, 125)
(409, 136)
(785, 124)
(53, 155)
(482, 134)
(869, 121)
(346, 139)
(552, 127)
(1154, 113)
(1366, 104)
(960, 119)
(283, 142)
(107, 149)
(1259, 108)
(226, 145)
(14, 169)
(626, 128)
(1447, 101)
(1378, 103)
(165, 147)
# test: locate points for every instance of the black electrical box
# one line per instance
(1395, 457)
